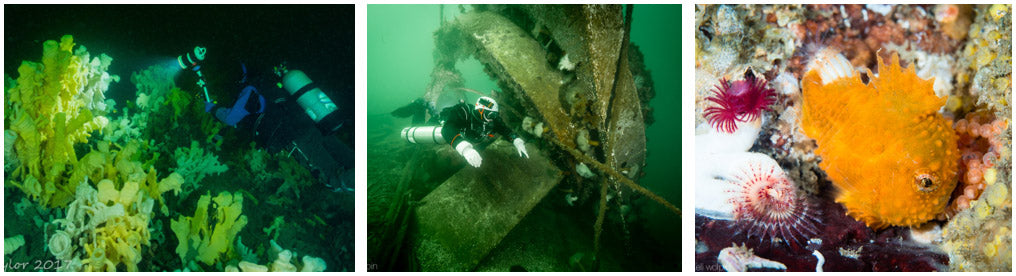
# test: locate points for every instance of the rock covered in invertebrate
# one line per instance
(984, 71)
(978, 236)
(888, 250)
(883, 144)
(733, 38)
(954, 20)
(846, 244)
(980, 149)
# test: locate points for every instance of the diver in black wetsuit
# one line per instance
(273, 117)
(310, 138)
(468, 128)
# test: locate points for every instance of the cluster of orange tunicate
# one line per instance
(979, 143)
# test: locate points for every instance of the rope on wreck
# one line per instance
(598, 227)
(618, 176)
(600, 166)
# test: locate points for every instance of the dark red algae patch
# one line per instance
(847, 245)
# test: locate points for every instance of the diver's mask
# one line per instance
(488, 108)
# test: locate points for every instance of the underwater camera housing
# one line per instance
(318, 106)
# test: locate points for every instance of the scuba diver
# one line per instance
(273, 125)
(466, 128)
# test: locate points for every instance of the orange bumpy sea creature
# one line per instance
(884, 145)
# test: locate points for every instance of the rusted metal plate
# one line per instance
(468, 215)
(626, 131)
(589, 34)
(518, 61)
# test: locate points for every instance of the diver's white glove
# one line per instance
(520, 146)
(467, 151)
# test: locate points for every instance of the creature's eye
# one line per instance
(926, 183)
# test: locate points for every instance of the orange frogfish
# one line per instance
(888, 151)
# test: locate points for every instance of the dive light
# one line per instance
(192, 61)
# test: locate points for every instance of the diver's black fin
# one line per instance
(410, 109)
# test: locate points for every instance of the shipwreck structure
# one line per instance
(570, 82)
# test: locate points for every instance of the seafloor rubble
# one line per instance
(965, 49)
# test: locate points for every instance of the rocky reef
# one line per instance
(90, 187)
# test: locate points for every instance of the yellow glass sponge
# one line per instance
(55, 104)
(199, 241)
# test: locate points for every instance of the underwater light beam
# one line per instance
(171, 65)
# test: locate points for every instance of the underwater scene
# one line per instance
(178, 138)
(523, 138)
(853, 137)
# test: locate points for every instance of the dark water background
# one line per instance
(317, 39)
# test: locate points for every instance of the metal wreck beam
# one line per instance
(467, 216)
(595, 34)
(588, 34)
(626, 132)
(458, 223)
(518, 61)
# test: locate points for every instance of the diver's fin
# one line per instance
(409, 110)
